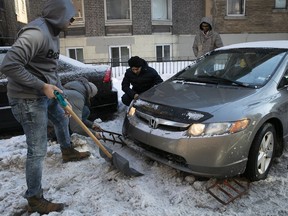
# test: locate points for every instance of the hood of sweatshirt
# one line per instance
(58, 13)
(83, 86)
(207, 20)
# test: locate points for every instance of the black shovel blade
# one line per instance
(120, 163)
(123, 165)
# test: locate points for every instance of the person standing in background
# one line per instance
(206, 39)
(31, 68)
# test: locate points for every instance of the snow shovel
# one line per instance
(117, 160)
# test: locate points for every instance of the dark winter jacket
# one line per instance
(146, 79)
(204, 43)
(33, 59)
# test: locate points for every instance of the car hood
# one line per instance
(196, 96)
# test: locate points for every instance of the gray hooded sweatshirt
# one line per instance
(33, 59)
(204, 43)
(78, 93)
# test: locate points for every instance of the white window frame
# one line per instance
(169, 11)
(118, 21)
(281, 4)
(236, 14)
(17, 9)
(21, 11)
(75, 48)
(121, 63)
(79, 20)
(163, 45)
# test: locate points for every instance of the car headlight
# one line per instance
(131, 111)
(214, 129)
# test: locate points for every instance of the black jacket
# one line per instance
(146, 79)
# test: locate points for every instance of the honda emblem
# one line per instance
(153, 123)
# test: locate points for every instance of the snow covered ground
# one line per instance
(93, 187)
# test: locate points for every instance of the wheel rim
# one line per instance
(265, 152)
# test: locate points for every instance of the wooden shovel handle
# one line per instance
(78, 120)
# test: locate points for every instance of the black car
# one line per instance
(68, 70)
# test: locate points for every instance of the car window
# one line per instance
(261, 72)
(251, 67)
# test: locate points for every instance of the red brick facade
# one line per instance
(260, 17)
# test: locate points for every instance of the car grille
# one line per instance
(161, 123)
(166, 155)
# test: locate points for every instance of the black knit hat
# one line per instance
(135, 61)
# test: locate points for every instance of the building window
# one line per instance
(119, 55)
(161, 10)
(118, 9)
(163, 53)
(21, 11)
(76, 53)
(280, 4)
(79, 6)
(235, 7)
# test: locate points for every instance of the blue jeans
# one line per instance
(33, 115)
(85, 113)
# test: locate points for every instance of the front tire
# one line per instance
(261, 153)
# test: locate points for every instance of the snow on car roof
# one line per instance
(283, 44)
(100, 67)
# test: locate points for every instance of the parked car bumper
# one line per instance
(199, 156)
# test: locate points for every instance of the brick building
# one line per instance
(253, 16)
(155, 29)
(9, 23)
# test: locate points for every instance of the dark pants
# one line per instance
(126, 99)
(51, 132)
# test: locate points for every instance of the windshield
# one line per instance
(248, 67)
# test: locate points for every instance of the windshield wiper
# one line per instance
(196, 79)
(225, 80)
